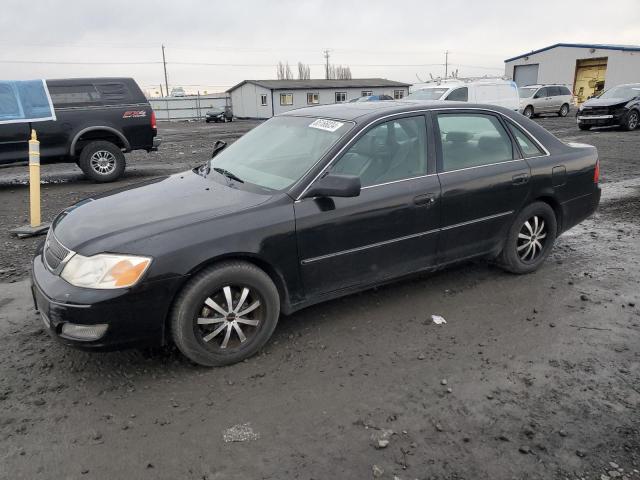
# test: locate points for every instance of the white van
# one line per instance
(493, 92)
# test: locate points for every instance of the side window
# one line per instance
(393, 150)
(73, 94)
(113, 92)
(542, 93)
(527, 145)
(565, 91)
(554, 91)
(472, 140)
(459, 95)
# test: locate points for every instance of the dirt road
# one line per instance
(532, 377)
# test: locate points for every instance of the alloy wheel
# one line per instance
(564, 110)
(229, 318)
(531, 239)
(103, 162)
(633, 120)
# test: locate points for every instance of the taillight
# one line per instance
(153, 119)
(596, 173)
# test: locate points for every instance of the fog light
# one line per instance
(83, 332)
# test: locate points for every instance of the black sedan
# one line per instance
(311, 205)
(218, 115)
(616, 106)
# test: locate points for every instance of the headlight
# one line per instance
(581, 107)
(105, 270)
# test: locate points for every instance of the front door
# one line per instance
(484, 182)
(390, 229)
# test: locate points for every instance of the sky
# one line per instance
(212, 45)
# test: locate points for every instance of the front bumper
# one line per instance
(600, 120)
(135, 317)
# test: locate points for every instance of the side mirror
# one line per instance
(218, 147)
(335, 185)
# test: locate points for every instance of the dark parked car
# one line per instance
(311, 205)
(371, 98)
(219, 114)
(617, 106)
(97, 121)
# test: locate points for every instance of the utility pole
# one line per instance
(326, 67)
(166, 82)
(446, 64)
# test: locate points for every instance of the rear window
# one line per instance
(565, 91)
(73, 94)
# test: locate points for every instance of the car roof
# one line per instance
(366, 111)
(538, 85)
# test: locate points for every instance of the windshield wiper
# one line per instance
(228, 174)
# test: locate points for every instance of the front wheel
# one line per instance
(631, 123)
(564, 110)
(528, 112)
(225, 314)
(102, 161)
(530, 239)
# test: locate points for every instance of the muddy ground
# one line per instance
(532, 377)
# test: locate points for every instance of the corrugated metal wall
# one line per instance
(192, 107)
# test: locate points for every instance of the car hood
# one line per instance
(604, 102)
(105, 222)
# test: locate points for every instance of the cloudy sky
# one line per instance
(211, 45)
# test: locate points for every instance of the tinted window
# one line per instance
(459, 94)
(527, 145)
(390, 151)
(471, 140)
(541, 93)
(565, 91)
(113, 91)
(555, 91)
(9, 107)
(73, 94)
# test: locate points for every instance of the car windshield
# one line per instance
(428, 94)
(279, 152)
(526, 92)
(623, 91)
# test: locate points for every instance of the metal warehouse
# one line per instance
(586, 68)
(266, 98)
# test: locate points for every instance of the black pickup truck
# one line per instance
(97, 121)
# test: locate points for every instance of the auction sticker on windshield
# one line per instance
(328, 125)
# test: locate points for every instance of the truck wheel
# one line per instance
(584, 127)
(225, 314)
(102, 161)
(564, 110)
(528, 112)
(530, 239)
(631, 123)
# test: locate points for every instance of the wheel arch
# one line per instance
(555, 205)
(87, 134)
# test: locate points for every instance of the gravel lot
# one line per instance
(532, 377)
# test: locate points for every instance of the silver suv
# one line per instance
(535, 99)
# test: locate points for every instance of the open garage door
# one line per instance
(525, 74)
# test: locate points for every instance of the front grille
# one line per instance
(54, 252)
(592, 111)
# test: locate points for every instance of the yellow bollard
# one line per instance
(34, 180)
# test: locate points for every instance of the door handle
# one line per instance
(424, 200)
(520, 179)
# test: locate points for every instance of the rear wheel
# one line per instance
(102, 161)
(530, 239)
(528, 111)
(584, 127)
(225, 314)
(564, 110)
(632, 120)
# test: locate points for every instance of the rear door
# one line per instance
(556, 98)
(484, 181)
(390, 229)
(542, 100)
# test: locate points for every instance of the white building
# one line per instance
(266, 98)
(586, 68)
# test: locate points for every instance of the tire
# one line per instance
(584, 127)
(521, 255)
(632, 121)
(207, 338)
(564, 110)
(528, 111)
(102, 161)
(207, 121)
